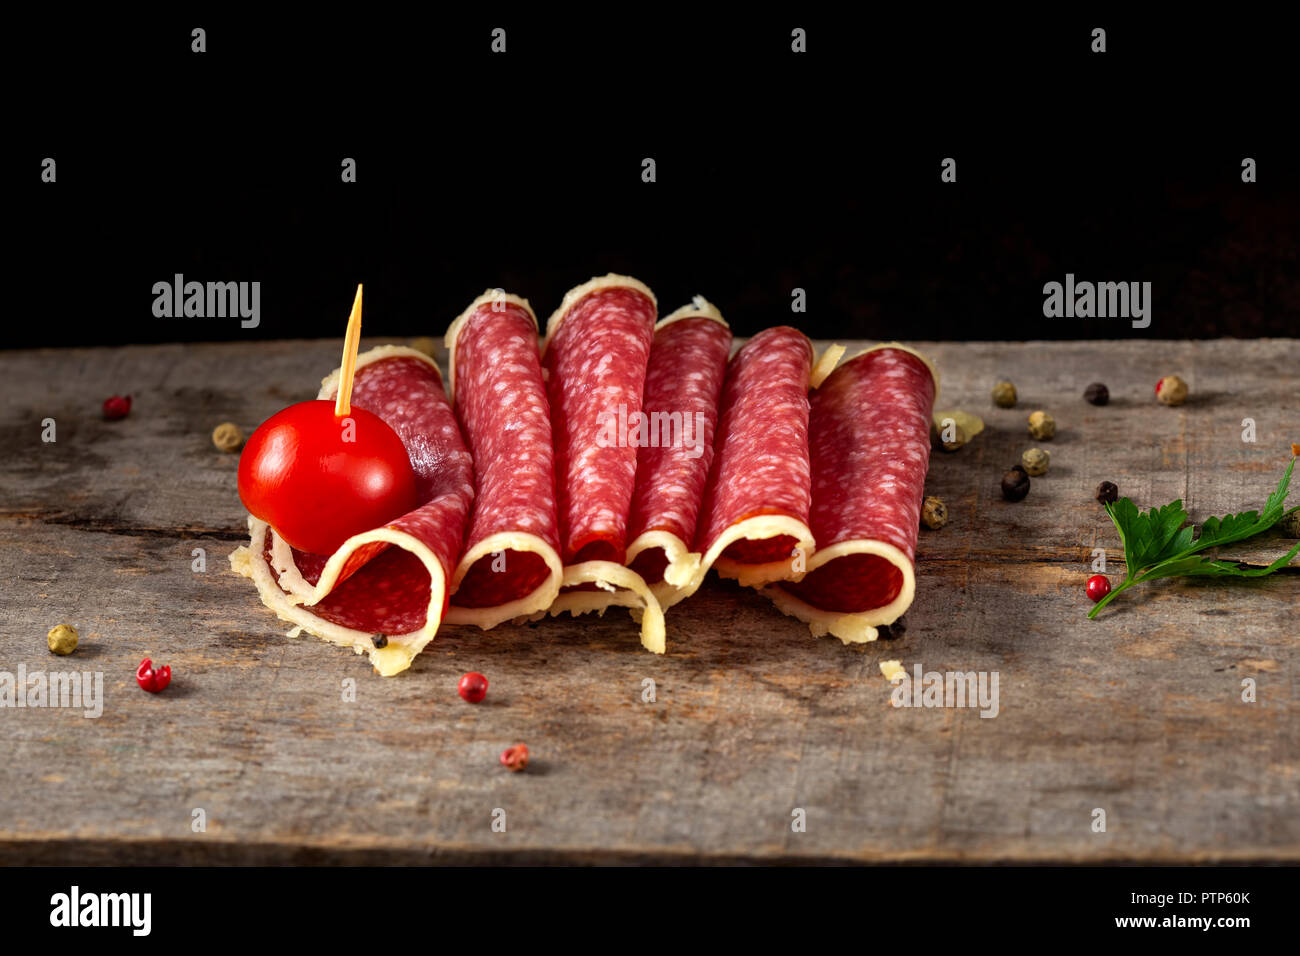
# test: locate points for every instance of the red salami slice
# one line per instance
(392, 580)
(510, 567)
(688, 363)
(753, 523)
(595, 355)
(870, 447)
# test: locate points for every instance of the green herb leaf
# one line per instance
(1156, 545)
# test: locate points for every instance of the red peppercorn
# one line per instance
(515, 758)
(1098, 587)
(472, 687)
(117, 407)
(150, 679)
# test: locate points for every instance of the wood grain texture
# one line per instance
(1138, 712)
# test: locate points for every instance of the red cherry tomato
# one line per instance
(1098, 587)
(318, 480)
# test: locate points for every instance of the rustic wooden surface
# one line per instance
(1138, 713)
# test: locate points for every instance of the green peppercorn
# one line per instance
(1042, 426)
(934, 513)
(1171, 390)
(227, 436)
(62, 639)
(1004, 395)
(1035, 461)
(956, 436)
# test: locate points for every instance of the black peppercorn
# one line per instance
(1015, 484)
(891, 632)
(379, 640)
(1108, 492)
(1097, 394)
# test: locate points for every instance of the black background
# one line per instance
(775, 171)
(744, 909)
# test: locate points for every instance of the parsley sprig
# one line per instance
(1156, 545)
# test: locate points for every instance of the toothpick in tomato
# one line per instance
(320, 472)
(302, 475)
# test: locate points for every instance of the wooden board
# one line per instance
(1138, 713)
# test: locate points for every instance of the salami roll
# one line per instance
(391, 581)
(595, 354)
(753, 522)
(511, 566)
(869, 447)
(688, 363)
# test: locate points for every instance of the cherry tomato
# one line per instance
(1098, 587)
(318, 480)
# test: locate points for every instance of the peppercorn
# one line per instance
(934, 513)
(959, 437)
(1015, 484)
(1290, 525)
(227, 436)
(1096, 394)
(1004, 395)
(472, 687)
(379, 640)
(1035, 461)
(1171, 390)
(116, 407)
(62, 639)
(515, 758)
(1108, 492)
(891, 632)
(1042, 426)
(153, 679)
(424, 344)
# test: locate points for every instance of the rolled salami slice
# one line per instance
(753, 522)
(384, 592)
(688, 363)
(869, 447)
(511, 566)
(595, 354)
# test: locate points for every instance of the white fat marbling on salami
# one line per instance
(756, 504)
(869, 449)
(688, 363)
(510, 567)
(597, 362)
(595, 355)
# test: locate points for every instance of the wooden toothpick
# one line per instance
(348, 370)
